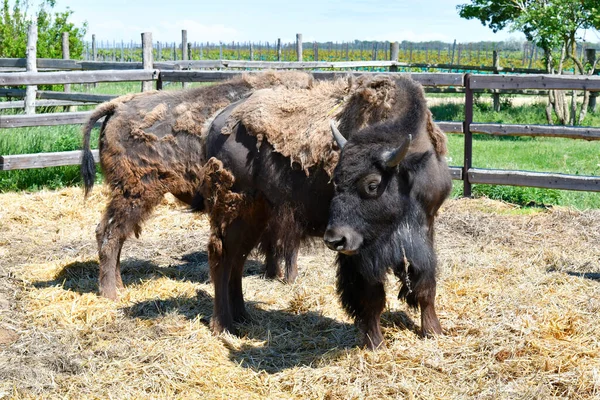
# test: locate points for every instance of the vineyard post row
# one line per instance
(526, 57)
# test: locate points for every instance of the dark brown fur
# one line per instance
(278, 147)
(151, 144)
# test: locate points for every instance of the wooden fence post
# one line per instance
(496, 95)
(147, 58)
(94, 48)
(31, 66)
(590, 56)
(251, 51)
(468, 145)
(184, 52)
(66, 55)
(316, 51)
(278, 49)
(299, 46)
(94, 55)
(394, 50)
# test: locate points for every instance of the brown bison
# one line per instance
(151, 144)
(374, 202)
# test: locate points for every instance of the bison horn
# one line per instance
(395, 157)
(341, 141)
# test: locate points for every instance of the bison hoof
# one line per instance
(109, 293)
(217, 328)
(374, 342)
(431, 331)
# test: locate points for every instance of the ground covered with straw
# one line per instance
(518, 298)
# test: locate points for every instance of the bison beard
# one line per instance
(408, 253)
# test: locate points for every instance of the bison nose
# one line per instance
(343, 239)
(333, 241)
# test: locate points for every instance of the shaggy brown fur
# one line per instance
(228, 209)
(151, 144)
(295, 121)
(374, 233)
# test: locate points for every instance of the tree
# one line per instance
(51, 25)
(552, 25)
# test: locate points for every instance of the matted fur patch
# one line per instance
(295, 120)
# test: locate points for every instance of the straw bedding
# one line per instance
(518, 298)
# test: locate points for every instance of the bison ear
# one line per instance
(392, 158)
(341, 140)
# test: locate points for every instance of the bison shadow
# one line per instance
(82, 276)
(595, 276)
(287, 339)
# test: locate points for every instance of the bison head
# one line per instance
(368, 192)
(373, 215)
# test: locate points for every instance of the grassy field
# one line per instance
(536, 154)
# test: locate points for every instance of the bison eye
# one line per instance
(369, 185)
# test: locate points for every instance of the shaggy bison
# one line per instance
(374, 202)
(151, 144)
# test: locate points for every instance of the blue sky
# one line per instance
(267, 20)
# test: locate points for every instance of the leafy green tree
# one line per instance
(550, 24)
(51, 25)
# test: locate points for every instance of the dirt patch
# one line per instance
(518, 299)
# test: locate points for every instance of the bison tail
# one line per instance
(88, 164)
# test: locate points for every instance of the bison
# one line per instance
(272, 157)
(151, 144)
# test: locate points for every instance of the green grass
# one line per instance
(41, 140)
(519, 153)
(539, 154)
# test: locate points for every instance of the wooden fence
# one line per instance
(469, 82)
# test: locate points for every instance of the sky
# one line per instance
(267, 20)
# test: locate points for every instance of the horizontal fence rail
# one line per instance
(183, 71)
(43, 160)
(544, 180)
(59, 78)
(49, 119)
(78, 65)
(575, 82)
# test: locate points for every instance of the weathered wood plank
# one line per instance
(48, 94)
(11, 105)
(108, 65)
(450, 127)
(587, 133)
(535, 81)
(57, 78)
(50, 119)
(198, 76)
(535, 179)
(189, 64)
(43, 160)
(456, 173)
(434, 79)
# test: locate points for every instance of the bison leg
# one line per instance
(419, 290)
(363, 300)
(120, 219)
(273, 258)
(227, 255)
(430, 323)
(272, 255)
(291, 261)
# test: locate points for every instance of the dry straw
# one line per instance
(519, 300)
